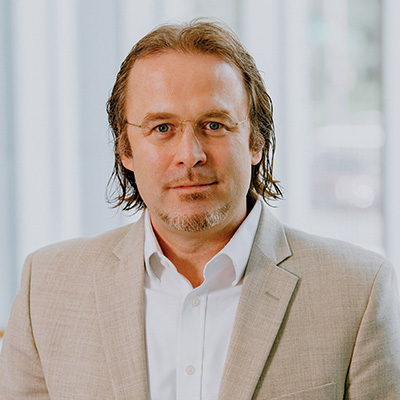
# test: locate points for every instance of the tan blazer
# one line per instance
(317, 319)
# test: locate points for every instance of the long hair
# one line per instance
(197, 36)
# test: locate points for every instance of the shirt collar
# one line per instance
(151, 245)
(237, 249)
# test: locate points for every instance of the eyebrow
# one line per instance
(158, 116)
(216, 113)
(165, 115)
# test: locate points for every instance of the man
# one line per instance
(207, 296)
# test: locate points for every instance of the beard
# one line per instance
(195, 222)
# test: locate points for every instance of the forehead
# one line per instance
(186, 81)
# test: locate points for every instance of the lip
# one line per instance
(192, 187)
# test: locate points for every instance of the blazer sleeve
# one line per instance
(21, 374)
(374, 371)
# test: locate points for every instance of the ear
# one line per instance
(127, 162)
(125, 152)
(256, 156)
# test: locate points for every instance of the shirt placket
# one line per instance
(191, 345)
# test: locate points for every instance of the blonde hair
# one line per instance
(197, 36)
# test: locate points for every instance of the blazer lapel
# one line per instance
(266, 294)
(120, 306)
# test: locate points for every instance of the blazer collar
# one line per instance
(271, 237)
(120, 306)
(266, 295)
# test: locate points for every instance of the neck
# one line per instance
(190, 251)
(191, 255)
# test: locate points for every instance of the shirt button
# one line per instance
(194, 301)
(189, 369)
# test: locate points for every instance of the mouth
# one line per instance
(192, 187)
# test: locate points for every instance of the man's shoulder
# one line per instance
(304, 253)
(329, 255)
(91, 248)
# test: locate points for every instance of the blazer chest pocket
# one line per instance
(325, 392)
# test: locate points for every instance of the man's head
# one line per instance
(196, 37)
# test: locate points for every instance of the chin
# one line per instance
(195, 222)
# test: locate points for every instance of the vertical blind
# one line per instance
(330, 67)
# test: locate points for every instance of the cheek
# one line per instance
(147, 163)
(239, 163)
(145, 180)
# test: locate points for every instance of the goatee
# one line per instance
(196, 222)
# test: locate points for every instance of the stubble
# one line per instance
(195, 222)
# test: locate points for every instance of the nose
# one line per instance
(189, 150)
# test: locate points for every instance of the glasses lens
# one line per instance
(166, 129)
(214, 125)
(161, 130)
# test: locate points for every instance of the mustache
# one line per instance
(191, 177)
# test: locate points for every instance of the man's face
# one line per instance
(199, 182)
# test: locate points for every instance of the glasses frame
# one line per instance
(180, 128)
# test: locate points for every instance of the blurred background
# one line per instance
(331, 67)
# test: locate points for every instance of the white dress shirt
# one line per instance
(188, 330)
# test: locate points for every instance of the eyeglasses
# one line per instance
(166, 129)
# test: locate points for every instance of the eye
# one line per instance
(162, 132)
(163, 128)
(214, 126)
